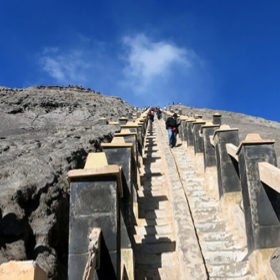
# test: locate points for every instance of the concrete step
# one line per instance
(215, 236)
(224, 257)
(206, 219)
(152, 222)
(239, 269)
(152, 179)
(157, 247)
(205, 204)
(152, 193)
(196, 193)
(210, 227)
(151, 204)
(203, 210)
(152, 230)
(154, 187)
(246, 277)
(158, 213)
(151, 239)
(155, 171)
(147, 261)
(163, 273)
(220, 245)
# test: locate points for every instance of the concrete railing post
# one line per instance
(94, 202)
(189, 132)
(227, 168)
(123, 121)
(102, 121)
(182, 128)
(209, 153)
(122, 154)
(198, 139)
(217, 119)
(133, 127)
(262, 222)
(198, 116)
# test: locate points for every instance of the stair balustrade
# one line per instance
(103, 195)
(247, 169)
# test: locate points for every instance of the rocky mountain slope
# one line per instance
(44, 132)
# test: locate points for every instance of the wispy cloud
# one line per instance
(65, 67)
(161, 71)
(140, 69)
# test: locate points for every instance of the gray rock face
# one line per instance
(44, 132)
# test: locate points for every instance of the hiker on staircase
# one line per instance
(172, 124)
(151, 117)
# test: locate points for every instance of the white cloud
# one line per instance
(65, 67)
(148, 60)
(140, 69)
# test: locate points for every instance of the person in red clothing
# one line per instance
(172, 127)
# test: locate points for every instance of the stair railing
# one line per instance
(103, 205)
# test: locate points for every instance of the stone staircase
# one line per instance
(225, 258)
(155, 245)
(156, 255)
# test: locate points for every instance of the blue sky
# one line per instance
(216, 54)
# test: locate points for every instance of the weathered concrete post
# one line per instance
(133, 127)
(198, 139)
(131, 137)
(198, 116)
(102, 121)
(189, 134)
(209, 156)
(123, 120)
(209, 153)
(262, 222)
(120, 153)
(217, 118)
(94, 202)
(198, 145)
(182, 127)
(227, 168)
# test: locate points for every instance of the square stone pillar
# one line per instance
(190, 135)
(94, 202)
(198, 139)
(209, 153)
(123, 120)
(134, 127)
(182, 127)
(217, 119)
(227, 168)
(102, 121)
(122, 155)
(262, 222)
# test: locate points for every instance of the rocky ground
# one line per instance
(44, 132)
